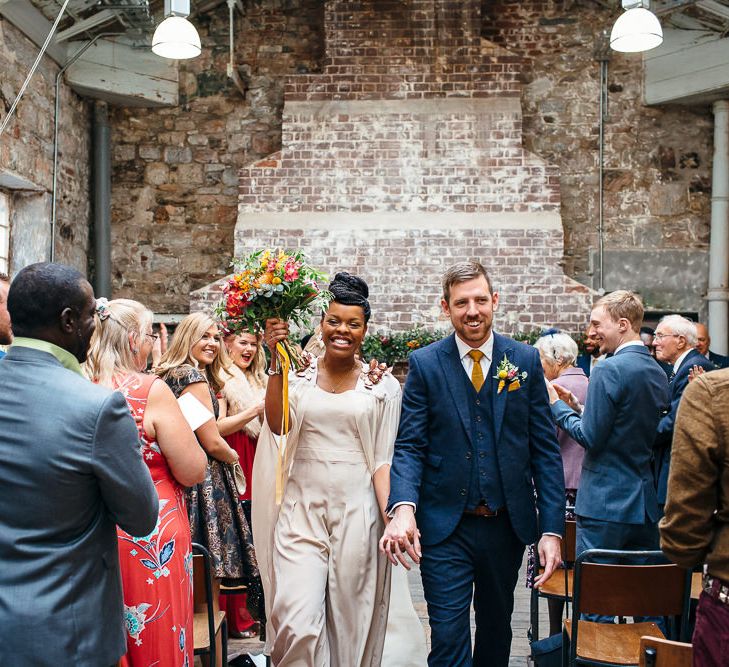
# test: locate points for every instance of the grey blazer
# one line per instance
(70, 470)
(626, 397)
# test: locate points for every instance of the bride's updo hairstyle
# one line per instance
(351, 290)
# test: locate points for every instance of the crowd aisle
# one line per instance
(519, 621)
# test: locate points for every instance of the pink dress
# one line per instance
(157, 569)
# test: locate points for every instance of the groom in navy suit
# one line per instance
(476, 437)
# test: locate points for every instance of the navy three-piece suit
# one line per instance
(457, 449)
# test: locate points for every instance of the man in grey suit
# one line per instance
(616, 505)
(70, 471)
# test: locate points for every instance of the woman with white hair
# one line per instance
(558, 353)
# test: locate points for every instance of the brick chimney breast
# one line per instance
(405, 156)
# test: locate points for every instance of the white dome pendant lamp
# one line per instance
(637, 29)
(176, 37)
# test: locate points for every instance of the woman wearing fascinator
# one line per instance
(327, 589)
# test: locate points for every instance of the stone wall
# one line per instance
(26, 157)
(175, 171)
(657, 159)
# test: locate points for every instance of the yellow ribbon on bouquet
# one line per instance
(285, 361)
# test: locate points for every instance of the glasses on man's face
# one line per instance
(152, 336)
(661, 336)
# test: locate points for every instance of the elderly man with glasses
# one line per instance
(675, 343)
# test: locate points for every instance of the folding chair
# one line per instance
(208, 624)
(559, 586)
(664, 653)
(602, 586)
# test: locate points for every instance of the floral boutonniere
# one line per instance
(509, 376)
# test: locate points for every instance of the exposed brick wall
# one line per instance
(175, 180)
(412, 166)
(657, 159)
(26, 146)
(403, 265)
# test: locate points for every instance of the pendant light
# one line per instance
(176, 37)
(637, 29)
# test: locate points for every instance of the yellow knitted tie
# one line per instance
(477, 372)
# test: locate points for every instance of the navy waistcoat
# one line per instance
(485, 479)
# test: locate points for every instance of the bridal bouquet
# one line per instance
(272, 283)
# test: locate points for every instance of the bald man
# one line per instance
(703, 341)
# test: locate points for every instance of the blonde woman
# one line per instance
(156, 572)
(195, 364)
(241, 410)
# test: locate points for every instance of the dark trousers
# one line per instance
(480, 561)
(711, 636)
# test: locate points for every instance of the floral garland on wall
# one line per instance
(391, 348)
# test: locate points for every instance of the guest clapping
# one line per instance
(156, 580)
(241, 408)
(71, 473)
(194, 365)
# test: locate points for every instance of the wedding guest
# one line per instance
(327, 588)
(194, 365)
(156, 577)
(71, 473)
(241, 409)
(695, 528)
(648, 338)
(6, 332)
(558, 353)
(675, 342)
(616, 506)
(592, 355)
(475, 439)
(703, 343)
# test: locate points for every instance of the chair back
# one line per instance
(656, 652)
(569, 543)
(202, 592)
(628, 588)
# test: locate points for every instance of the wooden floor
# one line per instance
(519, 622)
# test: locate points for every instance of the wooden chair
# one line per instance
(618, 588)
(664, 653)
(559, 586)
(209, 623)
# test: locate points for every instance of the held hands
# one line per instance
(550, 557)
(275, 331)
(402, 537)
(232, 457)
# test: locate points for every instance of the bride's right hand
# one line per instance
(275, 331)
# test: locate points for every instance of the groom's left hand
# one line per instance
(550, 557)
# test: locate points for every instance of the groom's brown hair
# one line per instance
(460, 273)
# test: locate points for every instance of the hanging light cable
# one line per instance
(176, 37)
(11, 111)
(637, 29)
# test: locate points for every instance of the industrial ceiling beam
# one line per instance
(35, 26)
(87, 24)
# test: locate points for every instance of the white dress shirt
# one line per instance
(467, 361)
(679, 361)
(628, 344)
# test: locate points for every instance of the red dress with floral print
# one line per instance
(157, 569)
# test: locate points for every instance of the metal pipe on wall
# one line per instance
(102, 200)
(56, 115)
(718, 293)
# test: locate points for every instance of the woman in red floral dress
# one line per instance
(156, 569)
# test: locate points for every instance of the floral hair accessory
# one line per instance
(509, 376)
(102, 308)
